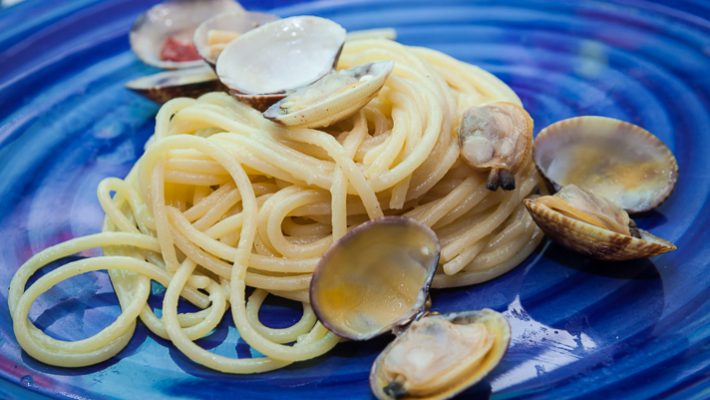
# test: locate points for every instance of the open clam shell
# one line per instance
(608, 157)
(213, 35)
(166, 85)
(334, 97)
(375, 278)
(162, 36)
(264, 63)
(589, 232)
(439, 356)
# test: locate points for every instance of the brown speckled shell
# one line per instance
(339, 106)
(591, 240)
(258, 101)
(160, 93)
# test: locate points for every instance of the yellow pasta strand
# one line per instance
(223, 199)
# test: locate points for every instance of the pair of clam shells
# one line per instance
(259, 59)
(375, 280)
(603, 168)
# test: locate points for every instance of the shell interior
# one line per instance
(375, 277)
(177, 19)
(333, 97)
(438, 356)
(215, 33)
(281, 55)
(614, 159)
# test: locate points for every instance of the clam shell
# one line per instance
(608, 157)
(334, 103)
(281, 55)
(496, 137)
(163, 86)
(375, 278)
(260, 102)
(237, 22)
(496, 324)
(173, 18)
(594, 241)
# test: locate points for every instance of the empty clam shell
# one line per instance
(213, 35)
(280, 56)
(608, 157)
(375, 278)
(438, 356)
(594, 226)
(496, 137)
(166, 85)
(332, 98)
(162, 36)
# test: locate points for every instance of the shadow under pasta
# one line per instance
(75, 308)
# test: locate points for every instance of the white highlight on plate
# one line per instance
(563, 347)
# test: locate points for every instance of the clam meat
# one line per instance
(331, 98)
(593, 225)
(438, 356)
(496, 137)
(261, 65)
(162, 36)
(375, 278)
(608, 157)
(214, 34)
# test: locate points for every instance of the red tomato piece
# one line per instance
(178, 50)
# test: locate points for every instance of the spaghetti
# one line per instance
(223, 199)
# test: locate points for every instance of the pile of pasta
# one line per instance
(223, 199)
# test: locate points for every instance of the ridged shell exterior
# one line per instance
(496, 324)
(594, 241)
(338, 107)
(167, 85)
(258, 101)
(554, 140)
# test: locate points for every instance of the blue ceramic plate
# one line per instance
(580, 328)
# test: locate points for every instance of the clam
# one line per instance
(214, 34)
(439, 356)
(375, 278)
(166, 85)
(260, 66)
(608, 157)
(593, 225)
(162, 36)
(331, 98)
(496, 137)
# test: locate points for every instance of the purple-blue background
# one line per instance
(580, 328)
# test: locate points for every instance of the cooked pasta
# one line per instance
(223, 199)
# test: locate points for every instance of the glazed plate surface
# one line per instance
(580, 328)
